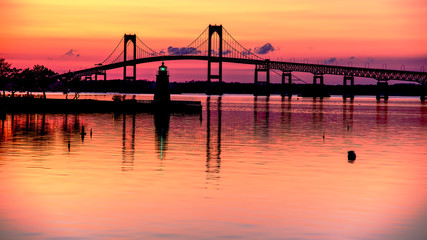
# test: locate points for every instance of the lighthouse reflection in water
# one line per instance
(247, 167)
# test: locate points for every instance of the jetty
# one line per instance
(161, 102)
(24, 104)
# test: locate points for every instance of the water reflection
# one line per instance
(286, 113)
(382, 113)
(317, 112)
(128, 149)
(347, 115)
(161, 122)
(213, 146)
(39, 133)
(71, 131)
(261, 116)
(423, 111)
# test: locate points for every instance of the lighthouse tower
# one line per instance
(162, 93)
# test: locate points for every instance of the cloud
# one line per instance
(70, 53)
(247, 52)
(264, 49)
(330, 60)
(182, 51)
(228, 51)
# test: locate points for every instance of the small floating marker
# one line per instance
(351, 155)
(91, 132)
(83, 133)
(69, 145)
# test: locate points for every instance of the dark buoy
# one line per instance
(83, 133)
(91, 133)
(69, 145)
(351, 155)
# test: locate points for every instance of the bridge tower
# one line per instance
(127, 38)
(215, 29)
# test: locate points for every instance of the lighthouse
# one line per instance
(162, 93)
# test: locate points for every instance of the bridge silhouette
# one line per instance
(216, 45)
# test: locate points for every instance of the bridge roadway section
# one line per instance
(316, 69)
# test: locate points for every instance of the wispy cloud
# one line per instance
(266, 48)
(182, 50)
(71, 53)
(228, 51)
(330, 60)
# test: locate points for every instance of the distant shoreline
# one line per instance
(147, 87)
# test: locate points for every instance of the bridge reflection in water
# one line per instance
(213, 139)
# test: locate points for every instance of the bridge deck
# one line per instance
(316, 69)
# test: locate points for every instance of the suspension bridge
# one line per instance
(216, 45)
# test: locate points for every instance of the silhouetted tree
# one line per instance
(41, 76)
(15, 80)
(28, 80)
(5, 74)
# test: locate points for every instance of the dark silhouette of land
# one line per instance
(144, 86)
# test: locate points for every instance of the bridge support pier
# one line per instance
(423, 92)
(348, 90)
(127, 38)
(262, 88)
(320, 77)
(286, 87)
(382, 90)
(317, 91)
(101, 73)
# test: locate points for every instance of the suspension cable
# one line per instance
(113, 50)
(241, 45)
(146, 45)
(197, 37)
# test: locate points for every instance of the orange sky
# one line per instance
(42, 31)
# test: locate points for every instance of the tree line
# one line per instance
(24, 80)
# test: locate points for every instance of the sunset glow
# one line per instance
(41, 32)
(379, 31)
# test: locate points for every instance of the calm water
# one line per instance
(248, 168)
